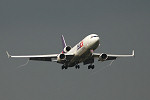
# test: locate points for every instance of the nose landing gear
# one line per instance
(91, 66)
(64, 67)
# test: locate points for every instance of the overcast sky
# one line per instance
(35, 27)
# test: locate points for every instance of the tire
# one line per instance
(89, 67)
(92, 66)
(77, 66)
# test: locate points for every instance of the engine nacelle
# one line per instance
(67, 48)
(61, 57)
(103, 57)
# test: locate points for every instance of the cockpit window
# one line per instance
(93, 36)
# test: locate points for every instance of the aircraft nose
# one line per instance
(97, 39)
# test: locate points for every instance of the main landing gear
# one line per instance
(91, 66)
(77, 66)
(64, 67)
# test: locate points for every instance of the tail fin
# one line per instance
(63, 41)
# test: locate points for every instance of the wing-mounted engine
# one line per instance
(103, 57)
(61, 57)
(66, 49)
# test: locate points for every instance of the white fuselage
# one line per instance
(83, 50)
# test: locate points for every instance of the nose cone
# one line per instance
(96, 40)
(93, 39)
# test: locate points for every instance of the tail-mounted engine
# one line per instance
(103, 57)
(66, 49)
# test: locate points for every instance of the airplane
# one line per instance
(83, 52)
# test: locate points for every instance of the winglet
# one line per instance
(8, 54)
(63, 41)
(133, 53)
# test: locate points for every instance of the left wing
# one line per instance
(35, 57)
(111, 56)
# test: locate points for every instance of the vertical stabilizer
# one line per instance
(63, 41)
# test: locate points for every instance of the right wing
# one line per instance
(48, 57)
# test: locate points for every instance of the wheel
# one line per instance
(64, 67)
(77, 66)
(92, 66)
(89, 67)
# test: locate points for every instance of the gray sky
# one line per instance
(35, 26)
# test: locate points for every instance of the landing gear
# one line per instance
(77, 66)
(64, 67)
(91, 66)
